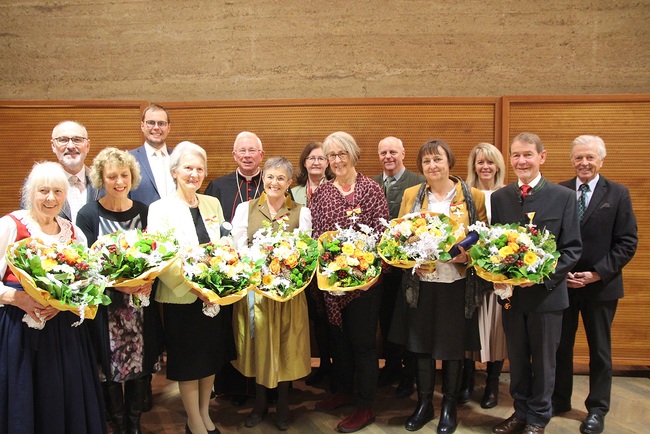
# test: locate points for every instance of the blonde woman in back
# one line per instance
(486, 172)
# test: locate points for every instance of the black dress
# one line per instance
(48, 378)
(134, 334)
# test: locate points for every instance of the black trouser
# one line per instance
(597, 317)
(353, 347)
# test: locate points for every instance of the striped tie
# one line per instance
(582, 201)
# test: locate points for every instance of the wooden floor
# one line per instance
(630, 412)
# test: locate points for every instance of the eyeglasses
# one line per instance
(249, 151)
(341, 156)
(76, 140)
(314, 159)
(152, 124)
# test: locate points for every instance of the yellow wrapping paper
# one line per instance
(146, 277)
(274, 296)
(214, 297)
(499, 278)
(44, 297)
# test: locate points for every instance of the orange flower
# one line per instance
(274, 266)
(292, 260)
(514, 246)
(341, 261)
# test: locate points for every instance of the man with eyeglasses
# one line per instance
(245, 183)
(157, 181)
(242, 185)
(70, 144)
(153, 157)
(395, 179)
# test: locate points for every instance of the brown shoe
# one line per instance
(533, 429)
(360, 418)
(512, 425)
(335, 401)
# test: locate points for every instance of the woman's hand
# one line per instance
(48, 313)
(461, 258)
(25, 302)
(425, 269)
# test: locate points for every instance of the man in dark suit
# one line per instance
(609, 236)
(70, 144)
(245, 183)
(533, 323)
(153, 157)
(242, 185)
(395, 179)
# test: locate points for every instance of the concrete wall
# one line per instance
(169, 50)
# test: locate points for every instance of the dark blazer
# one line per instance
(396, 191)
(147, 192)
(609, 237)
(555, 209)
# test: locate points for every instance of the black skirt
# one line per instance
(437, 326)
(195, 342)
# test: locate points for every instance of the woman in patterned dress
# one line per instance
(350, 200)
(48, 377)
(127, 339)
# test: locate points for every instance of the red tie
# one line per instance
(525, 190)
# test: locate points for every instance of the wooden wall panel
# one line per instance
(26, 129)
(624, 124)
(286, 126)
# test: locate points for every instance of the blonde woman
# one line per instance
(486, 172)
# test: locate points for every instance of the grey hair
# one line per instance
(344, 141)
(246, 134)
(186, 147)
(587, 140)
(45, 174)
(279, 163)
(70, 122)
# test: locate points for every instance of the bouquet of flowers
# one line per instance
(289, 261)
(218, 272)
(348, 260)
(60, 275)
(133, 258)
(513, 254)
(418, 238)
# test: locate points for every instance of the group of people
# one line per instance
(65, 379)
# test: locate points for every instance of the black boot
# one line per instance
(423, 413)
(135, 395)
(467, 388)
(448, 418)
(425, 379)
(491, 395)
(114, 402)
(405, 387)
(452, 373)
